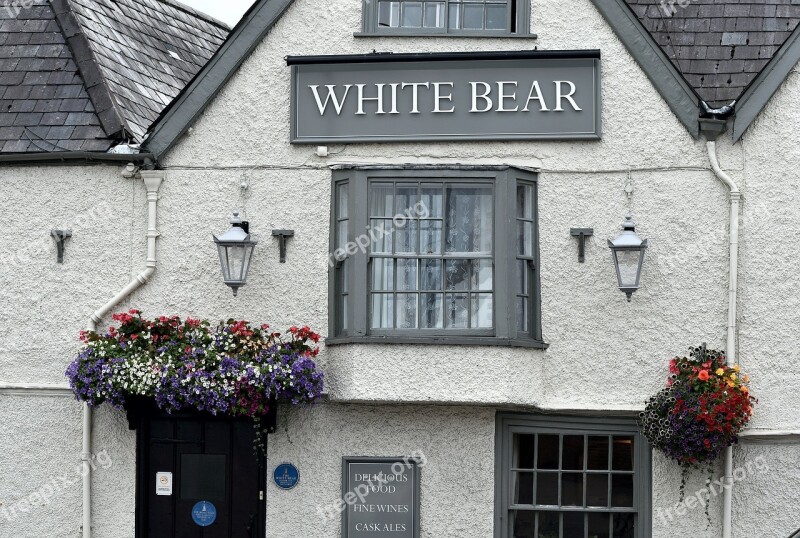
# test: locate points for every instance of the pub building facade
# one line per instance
(433, 186)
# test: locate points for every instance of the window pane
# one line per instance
(434, 15)
(522, 314)
(523, 524)
(624, 526)
(381, 234)
(431, 275)
(548, 452)
(599, 525)
(457, 274)
(496, 17)
(523, 489)
(406, 199)
(547, 489)
(548, 525)
(341, 197)
(522, 277)
(455, 16)
(573, 524)
(572, 489)
(382, 311)
(524, 238)
(430, 237)
(469, 220)
(597, 490)
(341, 234)
(572, 457)
(525, 202)
(381, 202)
(473, 17)
(431, 307)
(523, 450)
(407, 274)
(345, 272)
(382, 274)
(598, 453)
(457, 310)
(623, 454)
(412, 14)
(407, 310)
(482, 275)
(482, 314)
(431, 198)
(622, 490)
(389, 14)
(406, 237)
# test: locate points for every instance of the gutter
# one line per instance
(76, 157)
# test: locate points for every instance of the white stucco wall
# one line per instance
(605, 354)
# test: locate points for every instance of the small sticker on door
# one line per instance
(163, 483)
(204, 513)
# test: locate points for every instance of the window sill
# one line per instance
(438, 340)
(443, 34)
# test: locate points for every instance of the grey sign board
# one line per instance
(381, 496)
(455, 96)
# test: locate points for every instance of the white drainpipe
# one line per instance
(152, 181)
(730, 350)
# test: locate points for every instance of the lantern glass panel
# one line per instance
(236, 261)
(628, 267)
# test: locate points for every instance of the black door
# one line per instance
(203, 464)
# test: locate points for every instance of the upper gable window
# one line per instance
(462, 17)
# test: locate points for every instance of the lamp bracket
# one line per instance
(282, 236)
(581, 234)
(60, 237)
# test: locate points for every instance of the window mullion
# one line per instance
(359, 290)
(504, 255)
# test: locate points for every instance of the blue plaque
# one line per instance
(286, 476)
(204, 513)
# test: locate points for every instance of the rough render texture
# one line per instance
(604, 353)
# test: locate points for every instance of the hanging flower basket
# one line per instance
(701, 412)
(233, 369)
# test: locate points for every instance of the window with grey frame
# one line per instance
(462, 17)
(426, 254)
(567, 477)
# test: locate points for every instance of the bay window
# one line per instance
(435, 255)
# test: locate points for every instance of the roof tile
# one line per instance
(719, 46)
(53, 50)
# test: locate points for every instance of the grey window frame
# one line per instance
(508, 424)
(504, 180)
(370, 27)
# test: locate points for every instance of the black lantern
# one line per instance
(627, 250)
(235, 252)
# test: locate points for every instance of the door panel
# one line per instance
(211, 459)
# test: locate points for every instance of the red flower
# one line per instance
(703, 375)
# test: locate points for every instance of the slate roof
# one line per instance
(719, 46)
(85, 75)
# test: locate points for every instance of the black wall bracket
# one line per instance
(581, 234)
(282, 236)
(60, 237)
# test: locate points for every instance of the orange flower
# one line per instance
(703, 375)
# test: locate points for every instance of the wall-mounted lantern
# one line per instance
(627, 250)
(235, 249)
